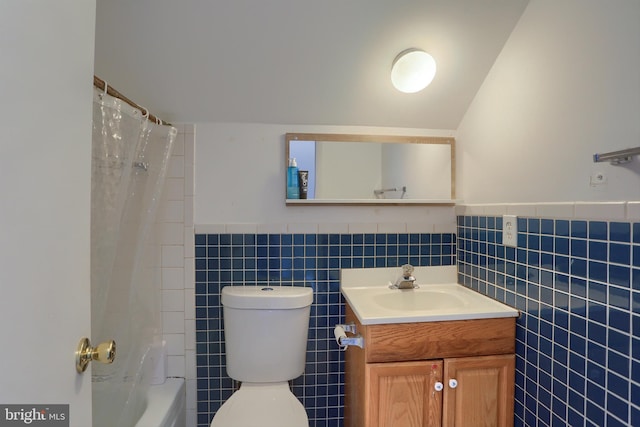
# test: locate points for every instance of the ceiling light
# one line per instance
(412, 70)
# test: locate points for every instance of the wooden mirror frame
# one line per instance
(442, 140)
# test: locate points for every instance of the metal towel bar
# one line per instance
(617, 157)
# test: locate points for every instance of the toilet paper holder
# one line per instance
(340, 332)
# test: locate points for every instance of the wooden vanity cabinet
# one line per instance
(392, 381)
(403, 394)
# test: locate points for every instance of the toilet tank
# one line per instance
(266, 330)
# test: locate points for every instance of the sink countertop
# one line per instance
(438, 298)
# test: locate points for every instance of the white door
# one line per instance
(46, 68)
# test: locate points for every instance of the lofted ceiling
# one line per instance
(299, 61)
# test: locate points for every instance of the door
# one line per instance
(482, 391)
(45, 160)
(403, 394)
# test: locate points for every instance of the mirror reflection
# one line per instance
(371, 169)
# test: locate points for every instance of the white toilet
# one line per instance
(266, 342)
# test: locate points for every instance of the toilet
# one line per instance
(266, 342)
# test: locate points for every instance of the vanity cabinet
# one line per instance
(431, 374)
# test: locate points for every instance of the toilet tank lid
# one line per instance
(266, 297)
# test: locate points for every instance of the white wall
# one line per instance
(566, 86)
(426, 171)
(336, 163)
(240, 184)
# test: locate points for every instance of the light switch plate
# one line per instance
(510, 230)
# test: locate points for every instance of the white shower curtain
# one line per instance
(129, 162)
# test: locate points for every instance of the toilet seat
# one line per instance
(261, 405)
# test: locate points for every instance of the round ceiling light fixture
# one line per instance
(412, 70)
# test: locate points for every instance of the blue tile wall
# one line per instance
(312, 260)
(577, 284)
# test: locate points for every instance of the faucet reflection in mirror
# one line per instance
(374, 169)
(380, 193)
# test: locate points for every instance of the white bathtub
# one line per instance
(166, 405)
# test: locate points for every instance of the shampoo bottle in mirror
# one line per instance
(303, 183)
(293, 191)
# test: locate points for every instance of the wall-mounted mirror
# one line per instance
(373, 169)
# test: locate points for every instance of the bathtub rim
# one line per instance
(165, 403)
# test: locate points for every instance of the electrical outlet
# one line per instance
(510, 230)
(597, 178)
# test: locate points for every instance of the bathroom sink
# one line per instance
(433, 298)
(438, 298)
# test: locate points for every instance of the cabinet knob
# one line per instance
(453, 383)
(438, 386)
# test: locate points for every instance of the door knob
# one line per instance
(104, 353)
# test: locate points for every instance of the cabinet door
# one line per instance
(403, 394)
(484, 393)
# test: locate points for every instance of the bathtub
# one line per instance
(166, 405)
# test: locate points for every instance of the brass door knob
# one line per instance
(104, 353)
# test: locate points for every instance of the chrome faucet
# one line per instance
(406, 280)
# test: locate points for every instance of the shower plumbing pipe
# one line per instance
(100, 84)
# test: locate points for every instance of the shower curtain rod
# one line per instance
(99, 83)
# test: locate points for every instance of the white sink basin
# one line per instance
(375, 303)
(438, 298)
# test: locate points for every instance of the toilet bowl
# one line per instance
(266, 332)
(262, 405)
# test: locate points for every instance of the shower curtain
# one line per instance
(129, 162)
